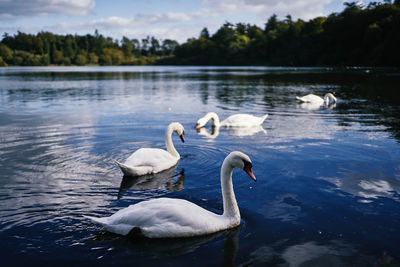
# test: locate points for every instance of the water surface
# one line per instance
(328, 177)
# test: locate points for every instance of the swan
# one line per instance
(170, 218)
(153, 160)
(237, 120)
(310, 98)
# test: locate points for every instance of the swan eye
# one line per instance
(247, 165)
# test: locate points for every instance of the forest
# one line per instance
(358, 36)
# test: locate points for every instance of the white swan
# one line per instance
(168, 217)
(237, 120)
(310, 98)
(153, 160)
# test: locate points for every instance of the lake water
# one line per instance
(328, 178)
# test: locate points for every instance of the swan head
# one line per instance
(178, 129)
(242, 161)
(203, 120)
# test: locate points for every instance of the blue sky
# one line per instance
(164, 19)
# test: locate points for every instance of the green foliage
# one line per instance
(66, 61)
(57, 57)
(2, 62)
(168, 46)
(127, 46)
(46, 48)
(45, 61)
(80, 60)
(93, 58)
(5, 53)
(105, 60)
(24, 58)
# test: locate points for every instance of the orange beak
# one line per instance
(250, 173)
(182, 138)
(197, 126)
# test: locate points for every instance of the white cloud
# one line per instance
(20, 8)
(173, 25)
(305, 9)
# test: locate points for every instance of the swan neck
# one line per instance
(214, 119)
(328, 97)
(168, 142)
(231, 208)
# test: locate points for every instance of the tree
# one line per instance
(5, 53)
(145, 45)
(80, 60)
(105, 60)
(127, 46)
(272, 23)
(3, 63)
(57, 56)
(204, 33)
(168, 46)
(67, 47)
(155, 46)
(45, 60)
(93, 58)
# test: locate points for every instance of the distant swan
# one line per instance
(237, 120)
(310, 98)
(153, 160)
(168, 217)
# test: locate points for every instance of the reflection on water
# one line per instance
(315, 106)
(366, 183)
(326, 175)
(236, 131)
(284, 208)
(164, 180)
(164, 248)
(334, 253)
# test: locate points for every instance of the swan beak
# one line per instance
(250, 173)
(197, 126)
(182, 138)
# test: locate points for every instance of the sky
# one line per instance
(163, 19)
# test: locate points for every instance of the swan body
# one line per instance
(311, 98)
(153, 160)
(170, 218)
(237, 120)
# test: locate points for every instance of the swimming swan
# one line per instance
(169, 217)
(153, 160)
(237, 120)
(310, 98)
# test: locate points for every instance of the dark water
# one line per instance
(328, 188)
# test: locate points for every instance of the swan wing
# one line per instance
(148, 160)
(243, 120)
(310, 98)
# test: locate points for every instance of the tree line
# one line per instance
(46, 48)
(358, 35)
